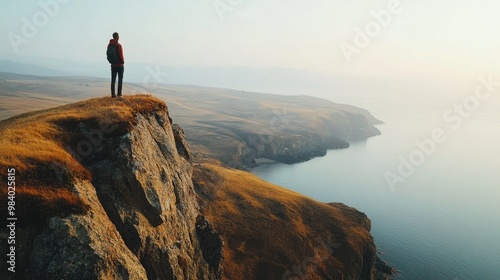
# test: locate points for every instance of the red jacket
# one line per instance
(120, 51)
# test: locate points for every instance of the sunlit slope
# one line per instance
(271, 232)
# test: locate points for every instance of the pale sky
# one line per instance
(439, 38)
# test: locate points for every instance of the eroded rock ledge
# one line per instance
(141, 212)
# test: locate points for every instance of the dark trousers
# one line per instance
(116, 70)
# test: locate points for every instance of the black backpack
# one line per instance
(112, 54)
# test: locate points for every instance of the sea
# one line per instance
(430, 185)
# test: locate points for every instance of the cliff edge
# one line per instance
(274, 233)
(104, 191)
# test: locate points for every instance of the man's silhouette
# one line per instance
(117, 68)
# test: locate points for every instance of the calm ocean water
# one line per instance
(443, 220)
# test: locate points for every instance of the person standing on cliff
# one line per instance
(115, 58)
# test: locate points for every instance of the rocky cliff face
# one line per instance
(105, 191)
(142, 219)
(283, 147)
(295, 143)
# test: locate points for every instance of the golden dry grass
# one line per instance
(269, 230)
(36, 145)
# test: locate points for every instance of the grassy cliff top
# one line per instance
(41, 136)
(41, 145)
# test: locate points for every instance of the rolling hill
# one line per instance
(236, 127)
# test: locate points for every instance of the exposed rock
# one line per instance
(144, 183)
(140, 220)
(81, 247)
(288, 148)
(211, 243)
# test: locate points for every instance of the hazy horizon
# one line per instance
(404, 52)
(445, 39)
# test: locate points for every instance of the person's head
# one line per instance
(116, 36)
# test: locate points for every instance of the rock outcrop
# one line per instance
(141, 219)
